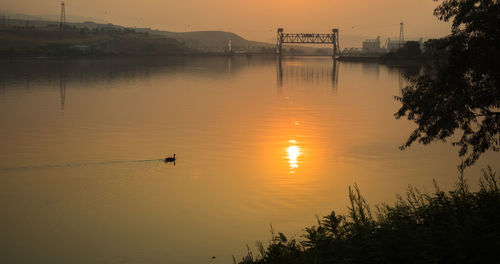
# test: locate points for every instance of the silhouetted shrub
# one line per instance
(459, 226)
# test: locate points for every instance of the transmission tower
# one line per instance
(401, 35)
(62, 23)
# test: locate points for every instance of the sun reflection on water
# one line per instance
(293, 154)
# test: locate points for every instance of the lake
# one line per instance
(257, 142)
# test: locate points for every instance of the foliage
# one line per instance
(455, 227)
(463, 94)
(409, 52)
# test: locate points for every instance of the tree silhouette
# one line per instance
(462, 95)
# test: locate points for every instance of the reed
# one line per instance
(459, 226)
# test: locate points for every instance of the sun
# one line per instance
(293, 154)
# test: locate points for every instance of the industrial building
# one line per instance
(393, 45)
(372, 46)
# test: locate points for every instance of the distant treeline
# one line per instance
(19, 41)
(459, 226)
(411, 51)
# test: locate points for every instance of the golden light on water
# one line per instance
(293, 154)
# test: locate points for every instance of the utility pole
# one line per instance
(401, 35)
(62, 23)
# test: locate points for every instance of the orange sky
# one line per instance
(255, 19)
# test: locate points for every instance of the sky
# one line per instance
(255, 19)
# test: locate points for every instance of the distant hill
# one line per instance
(201, 41)
(212, 40)
(208, 41)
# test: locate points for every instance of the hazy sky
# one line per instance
(255, 19)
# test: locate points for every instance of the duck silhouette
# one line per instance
(170, 159)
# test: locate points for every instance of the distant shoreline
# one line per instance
(367, 59)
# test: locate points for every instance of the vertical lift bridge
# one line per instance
(309, 38)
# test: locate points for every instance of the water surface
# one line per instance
(257, 142)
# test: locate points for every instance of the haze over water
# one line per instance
(81, 180)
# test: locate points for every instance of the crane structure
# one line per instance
(309, 38)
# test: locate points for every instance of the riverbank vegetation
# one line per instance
(459, 226)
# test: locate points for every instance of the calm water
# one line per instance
(257, 143)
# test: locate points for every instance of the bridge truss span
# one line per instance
(309, 38)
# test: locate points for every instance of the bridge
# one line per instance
(309, 38)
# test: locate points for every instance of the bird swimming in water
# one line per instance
(170, 159)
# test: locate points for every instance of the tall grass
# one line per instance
(458, 226)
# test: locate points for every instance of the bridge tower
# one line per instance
(335, 41)
(280, 40)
